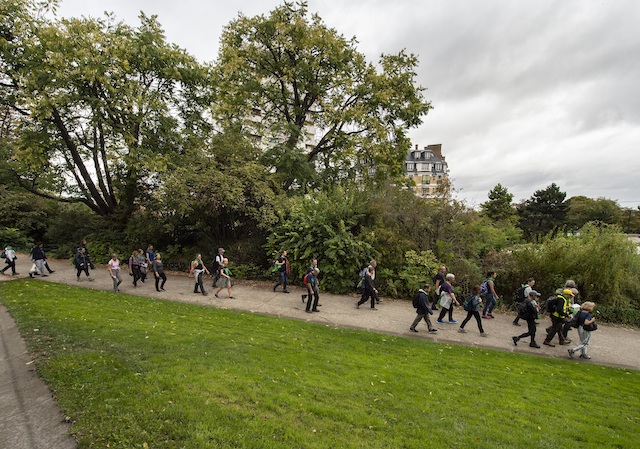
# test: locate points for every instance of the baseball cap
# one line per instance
(534, 293)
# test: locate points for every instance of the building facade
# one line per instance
(428, 169)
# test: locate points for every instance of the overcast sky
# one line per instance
(525, 93)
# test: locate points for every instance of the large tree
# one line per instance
(544, 213)
(499, 207)
(99, 106)
(286, 75)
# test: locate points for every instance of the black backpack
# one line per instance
(524, 311)
(520, 293)
(551, 304)
(416, 300)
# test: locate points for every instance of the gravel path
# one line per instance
(610, 345)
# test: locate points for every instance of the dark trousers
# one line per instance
(531, 330)
(444, 311)
(517, 316)
(199, 284)
(366, 294)
(282, 280)
(82, 268)
(556, 328)
(313, 300)
(476, 315)
(10, 264)
(420, 317)
(135, 269)
(160, 275)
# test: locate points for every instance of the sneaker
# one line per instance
(303, 297)
(433, 331)
(452, 321)
(548, 344)
(373, 308)
(534, 345)
(486, 317)
(484, 334)
(491, 315)
(285, 291)
(582, 356)
(413, 329)
(565, 342)
(516, 324)
(440, 322)
(570, 351)
(274, 288)
(462, 331)
(515, 340)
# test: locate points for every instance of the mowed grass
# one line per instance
(133, 372)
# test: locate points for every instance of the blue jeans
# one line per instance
(282, 280)
(489, 303)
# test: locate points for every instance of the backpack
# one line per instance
(551, 304)
(3, 255)
(416, 300)
(304, 280)
(523, 311)
(468, 304)
(484, 287)
(520, 293)
(216, 265)
(362, 274)
(575, 320)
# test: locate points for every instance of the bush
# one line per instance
(17, 238)
(619, 315)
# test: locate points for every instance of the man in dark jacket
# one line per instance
(423, 310)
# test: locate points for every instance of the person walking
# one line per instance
(586, 325)
(529, 311)
(114, 271)
(283, 271)
(314, 293)
(134, 267)
(438, 280)
(143, 264)
(37, 257)
(225, 276)
(313, 266)
(472, 305)
(558, 315)
(368, 291)
(522, 295)
(423, 310)
(158, 270)
(447, 299)
(491, 299)
(10, 260)
(217, 263)
(82, 262)
(197, 270)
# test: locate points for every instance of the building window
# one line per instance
(438, 167)
(409, 166)
(425, 179)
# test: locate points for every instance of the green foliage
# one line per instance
(582, 210)
(417, 271)
(544, 213)
(499, 207)
(329, 227)
(16, 238)
(286, 75)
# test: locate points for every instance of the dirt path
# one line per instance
(610, 345)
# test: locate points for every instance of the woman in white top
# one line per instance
(10, 259)
(114, 272)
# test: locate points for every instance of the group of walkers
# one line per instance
(562, 308)
(197, 270)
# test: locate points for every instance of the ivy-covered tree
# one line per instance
(99, 106)
(321, 111)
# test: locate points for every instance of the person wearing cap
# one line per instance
(10, 259)
(527, 287)
(423, 310)
(563, 304)
(217, 263)
(573, 311)
(529, 312)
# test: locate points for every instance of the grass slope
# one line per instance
(135, 372)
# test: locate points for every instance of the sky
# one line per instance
(524, 93)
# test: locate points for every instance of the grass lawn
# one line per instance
(134, 372)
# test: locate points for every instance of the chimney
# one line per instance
(437, 150)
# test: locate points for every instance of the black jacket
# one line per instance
(423, 303)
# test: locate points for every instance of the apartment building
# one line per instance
(428, 169)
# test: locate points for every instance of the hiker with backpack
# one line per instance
(305, 279)
(314, 295)
(528, 311)
(586, 325)
(447, 300)
(421, 304)
(472, 305)
(559, 310)
(217, 263)
(283, 269)
(522, 294)
(487, 289)
(369, 290)
(438, 280)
